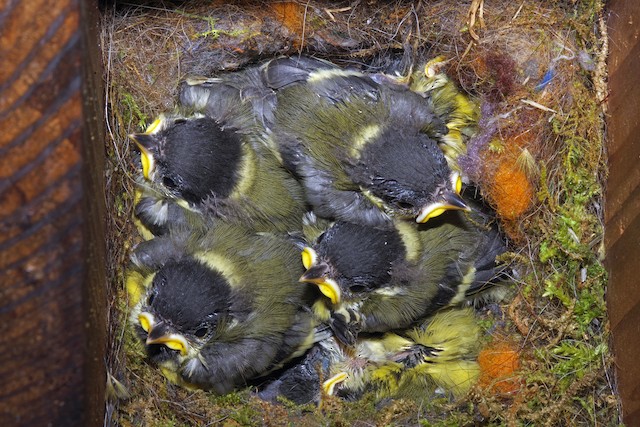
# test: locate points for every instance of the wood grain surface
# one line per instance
(52, 282)
(622, 213)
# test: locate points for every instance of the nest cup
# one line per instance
(536, 69)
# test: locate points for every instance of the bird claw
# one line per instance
(415, 355)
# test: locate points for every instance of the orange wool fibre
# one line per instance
(498, 365)
(511, 190)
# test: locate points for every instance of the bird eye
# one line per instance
(405, 205)
(168, 182)
(152, 296)
(201, 332)
(357, 288)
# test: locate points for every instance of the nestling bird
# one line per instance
(365, 151)
(220, 309)
(436, 358)
(213, 158)
(459, 112)
(386, 278)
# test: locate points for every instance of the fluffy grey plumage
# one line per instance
(214, 158)
(220, 309)
(381, 279)
(364, 150)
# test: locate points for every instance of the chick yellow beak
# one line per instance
(317, 275)
(309, 257)
(147, 163)
(158, 333)
(146, 321)
(329, 385)
(155, 126)
(331, 290)
(173, 341)
(144, 141)
(146, 158)
(450, 201)
(456, 182)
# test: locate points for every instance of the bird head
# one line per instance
(185, 307)
(406, 174)
(146, 143)
(349, 260)
(190, 158)
(318, 273)
(445, 197)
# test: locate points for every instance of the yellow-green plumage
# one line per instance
(261, 316)
(459, 112)
(384, 279)
(415, 364)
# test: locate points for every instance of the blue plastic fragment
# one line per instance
(546, 79)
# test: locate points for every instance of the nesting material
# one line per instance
(537, 71)
(499, 364)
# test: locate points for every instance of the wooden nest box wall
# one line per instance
(53, 305)
(622, 210)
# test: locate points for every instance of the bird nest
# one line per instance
(536, 67)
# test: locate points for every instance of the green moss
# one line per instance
(573, 359)
(212, 31)
(132, 113)
(571, 272)
(554, 288)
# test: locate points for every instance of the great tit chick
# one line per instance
(436, 358)
(217, 161)
(365, 151)
(381, 279)
(459, 112)
(220, 309)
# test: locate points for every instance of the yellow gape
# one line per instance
(309, 257)
(456, 180)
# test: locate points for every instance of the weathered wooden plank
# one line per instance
(622, 219)
(51, 211)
